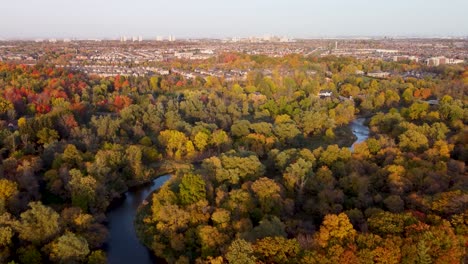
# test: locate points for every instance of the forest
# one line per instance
(262, 169)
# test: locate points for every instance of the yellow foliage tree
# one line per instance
(335, 229)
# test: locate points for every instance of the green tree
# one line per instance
(69, 248)
(174, 141)
(83, 189)
(47, 136)
(297, 175)
(38, 224)
(314, 123)
(286, 132)
(97, 257)
(413, 140)
(384, 223)
(240, 128)
(106, 127)
(418, 110)
(334, 153)
(192, 189)
(220, 139)
(240, 252)
(268, 227)
(72, 155)
(237, 167)
(134, 156)
(29, 255)
(277, 250)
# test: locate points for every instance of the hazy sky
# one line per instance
(222, 18)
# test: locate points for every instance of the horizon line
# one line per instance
(179, 38)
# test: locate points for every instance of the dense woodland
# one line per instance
(271, 178)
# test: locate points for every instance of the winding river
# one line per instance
(123, 245)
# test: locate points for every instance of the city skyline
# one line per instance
(106, 19)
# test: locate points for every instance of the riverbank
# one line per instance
(161, 168)
(123, 245)
(141, 227)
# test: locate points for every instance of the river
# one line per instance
(123, 246)
(360, 130)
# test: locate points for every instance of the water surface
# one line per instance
(360, 130)
(123, 246)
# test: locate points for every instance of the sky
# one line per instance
(27, 19)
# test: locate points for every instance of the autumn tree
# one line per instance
(38, 224)
(241, 252)
(413, 140)
(268, 193)
(69, 248)
(277, 250)
(192, 189)
(336, 229)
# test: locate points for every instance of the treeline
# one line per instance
(71, 143)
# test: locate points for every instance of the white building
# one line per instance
(325, 93)
(207, 51)
(378, 74)
(441, 60)
(455, 61)
(388, 51)
(405, 57)
(183, 55)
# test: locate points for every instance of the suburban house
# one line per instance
(325, 93)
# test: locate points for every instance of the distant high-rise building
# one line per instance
(171, 38)
(159, 38)
(336, 45)
(134, 39)
(140, 38)
(123, 39)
